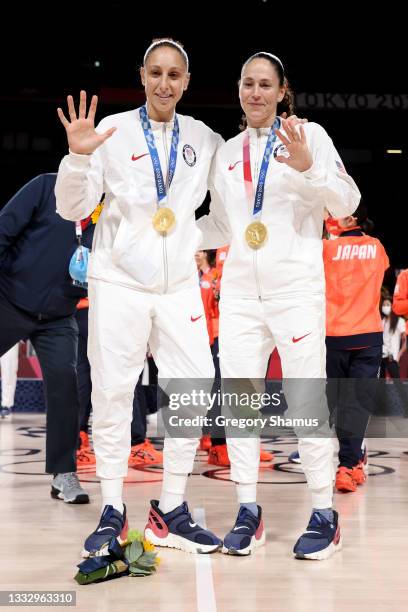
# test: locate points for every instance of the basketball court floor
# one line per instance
(41, 538)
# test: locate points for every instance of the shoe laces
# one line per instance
(140, 452)
(70, 480)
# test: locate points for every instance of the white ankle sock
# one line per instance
(111, 489)
(172, 495)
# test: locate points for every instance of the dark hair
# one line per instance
(166, 42)
(392, 316)
(287, 104)
(361, 214)
(211, 257)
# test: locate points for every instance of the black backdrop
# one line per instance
(51, 49)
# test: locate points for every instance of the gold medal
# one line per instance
(164, 220)
(256, 234)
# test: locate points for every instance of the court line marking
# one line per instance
(205, 593)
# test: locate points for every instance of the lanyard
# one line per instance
(258, 196)
(154, 156)
(78, 232)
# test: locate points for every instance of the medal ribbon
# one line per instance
(258, 197)
(154, 156)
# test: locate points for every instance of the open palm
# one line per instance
(81, 134)
(295, 141)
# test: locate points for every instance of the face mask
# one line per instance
(78, 267)
(386, 310)
(333, 227)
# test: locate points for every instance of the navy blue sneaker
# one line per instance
(294, 457)
(5, 412)
(177, 529)
(248, 533)
(321, 538)
(113, 524)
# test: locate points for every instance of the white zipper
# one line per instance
(255, 253)
(165, 260)
(258, 285)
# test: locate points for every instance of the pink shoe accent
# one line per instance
(156, 524)
(259, 531)
(337, 536)
(124, 532)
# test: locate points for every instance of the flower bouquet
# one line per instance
(134, 557)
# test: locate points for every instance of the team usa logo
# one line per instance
(189, 155)
(281, 151)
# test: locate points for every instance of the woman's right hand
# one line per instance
(81, 134)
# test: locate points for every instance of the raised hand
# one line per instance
(295, 141)
(81, 134)
(294, 119)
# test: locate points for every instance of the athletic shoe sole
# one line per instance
(83, 498)
(174, 541)
(345, 488)
(246, 551)
(321, 555)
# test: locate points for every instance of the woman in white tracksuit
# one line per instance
(153, 166)
(275, 181)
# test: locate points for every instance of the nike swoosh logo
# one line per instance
(301, 337)
(193, 524)
(240, 527)
(194, 319)
(232, 166)
(103, 529)
(136, 157)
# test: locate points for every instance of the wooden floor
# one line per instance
(40, 538)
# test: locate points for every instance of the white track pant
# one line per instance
(122, 322)
(9, 367)
(249, 331)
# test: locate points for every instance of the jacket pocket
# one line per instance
(132, 254)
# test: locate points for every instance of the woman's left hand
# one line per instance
(295, 141)
(293, 119)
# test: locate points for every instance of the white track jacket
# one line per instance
(291, 261)
(127, 250)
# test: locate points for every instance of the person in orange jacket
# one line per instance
(207, 275)
(354, 269)
(400, 299)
